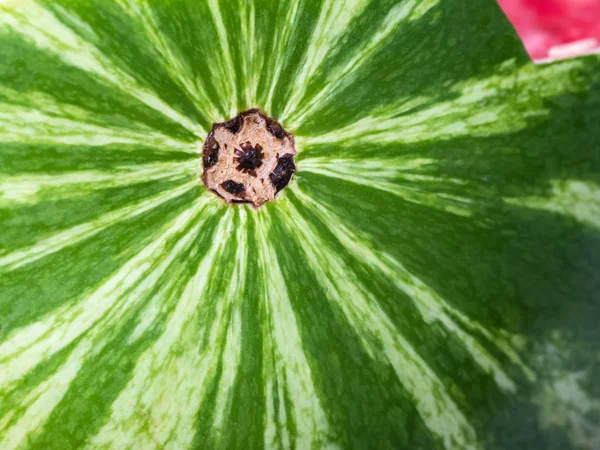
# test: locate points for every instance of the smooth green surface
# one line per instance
(428, 280)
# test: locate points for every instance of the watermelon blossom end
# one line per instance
(248, 159)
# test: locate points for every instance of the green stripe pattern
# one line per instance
(429, 279)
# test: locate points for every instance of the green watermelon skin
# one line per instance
(429, 279)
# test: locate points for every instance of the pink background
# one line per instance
(556, 29)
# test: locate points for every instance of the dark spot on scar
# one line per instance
(234, 124)
(274, 128)
(210, 153)
(235, 200)
(233, 188)
(282, 174)
(248, 158)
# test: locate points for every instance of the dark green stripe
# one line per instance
(87, 405)
(55, 280)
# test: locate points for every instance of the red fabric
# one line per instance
(555, 29)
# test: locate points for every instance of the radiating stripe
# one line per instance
(333, 22)
(377, 175)
(36, 118)
(230, 359)
(250, 57)
(374, 168)
(283, 34)
(174, 63)
(174, 360)
(29, 188)
(572, 198)
(401, 14)
(27, 346)
(225, 76)
(88, 319)
(301, 423)
(42, 400)
(478, 107)
(42, 27)
(381, 339)
(78, 233)
(431, 306)
(156, 305)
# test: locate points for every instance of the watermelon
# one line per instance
(428, 279)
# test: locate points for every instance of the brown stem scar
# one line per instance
(248, 159)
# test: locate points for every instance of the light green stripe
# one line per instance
(28, 346)
(231, 356)
(401, 14)
(223, 71)
(174, 63)
(36, 118)
(174, 360)
(34, 187)
(43, 28)
(72, 236)
(480, 108)
(381, 339)
(378, 175)
(431, 306)
(250, 57)
(287, 373)
(88, 319)
(43, 399)
(333, 22)
(572, 198)
(282, 38)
